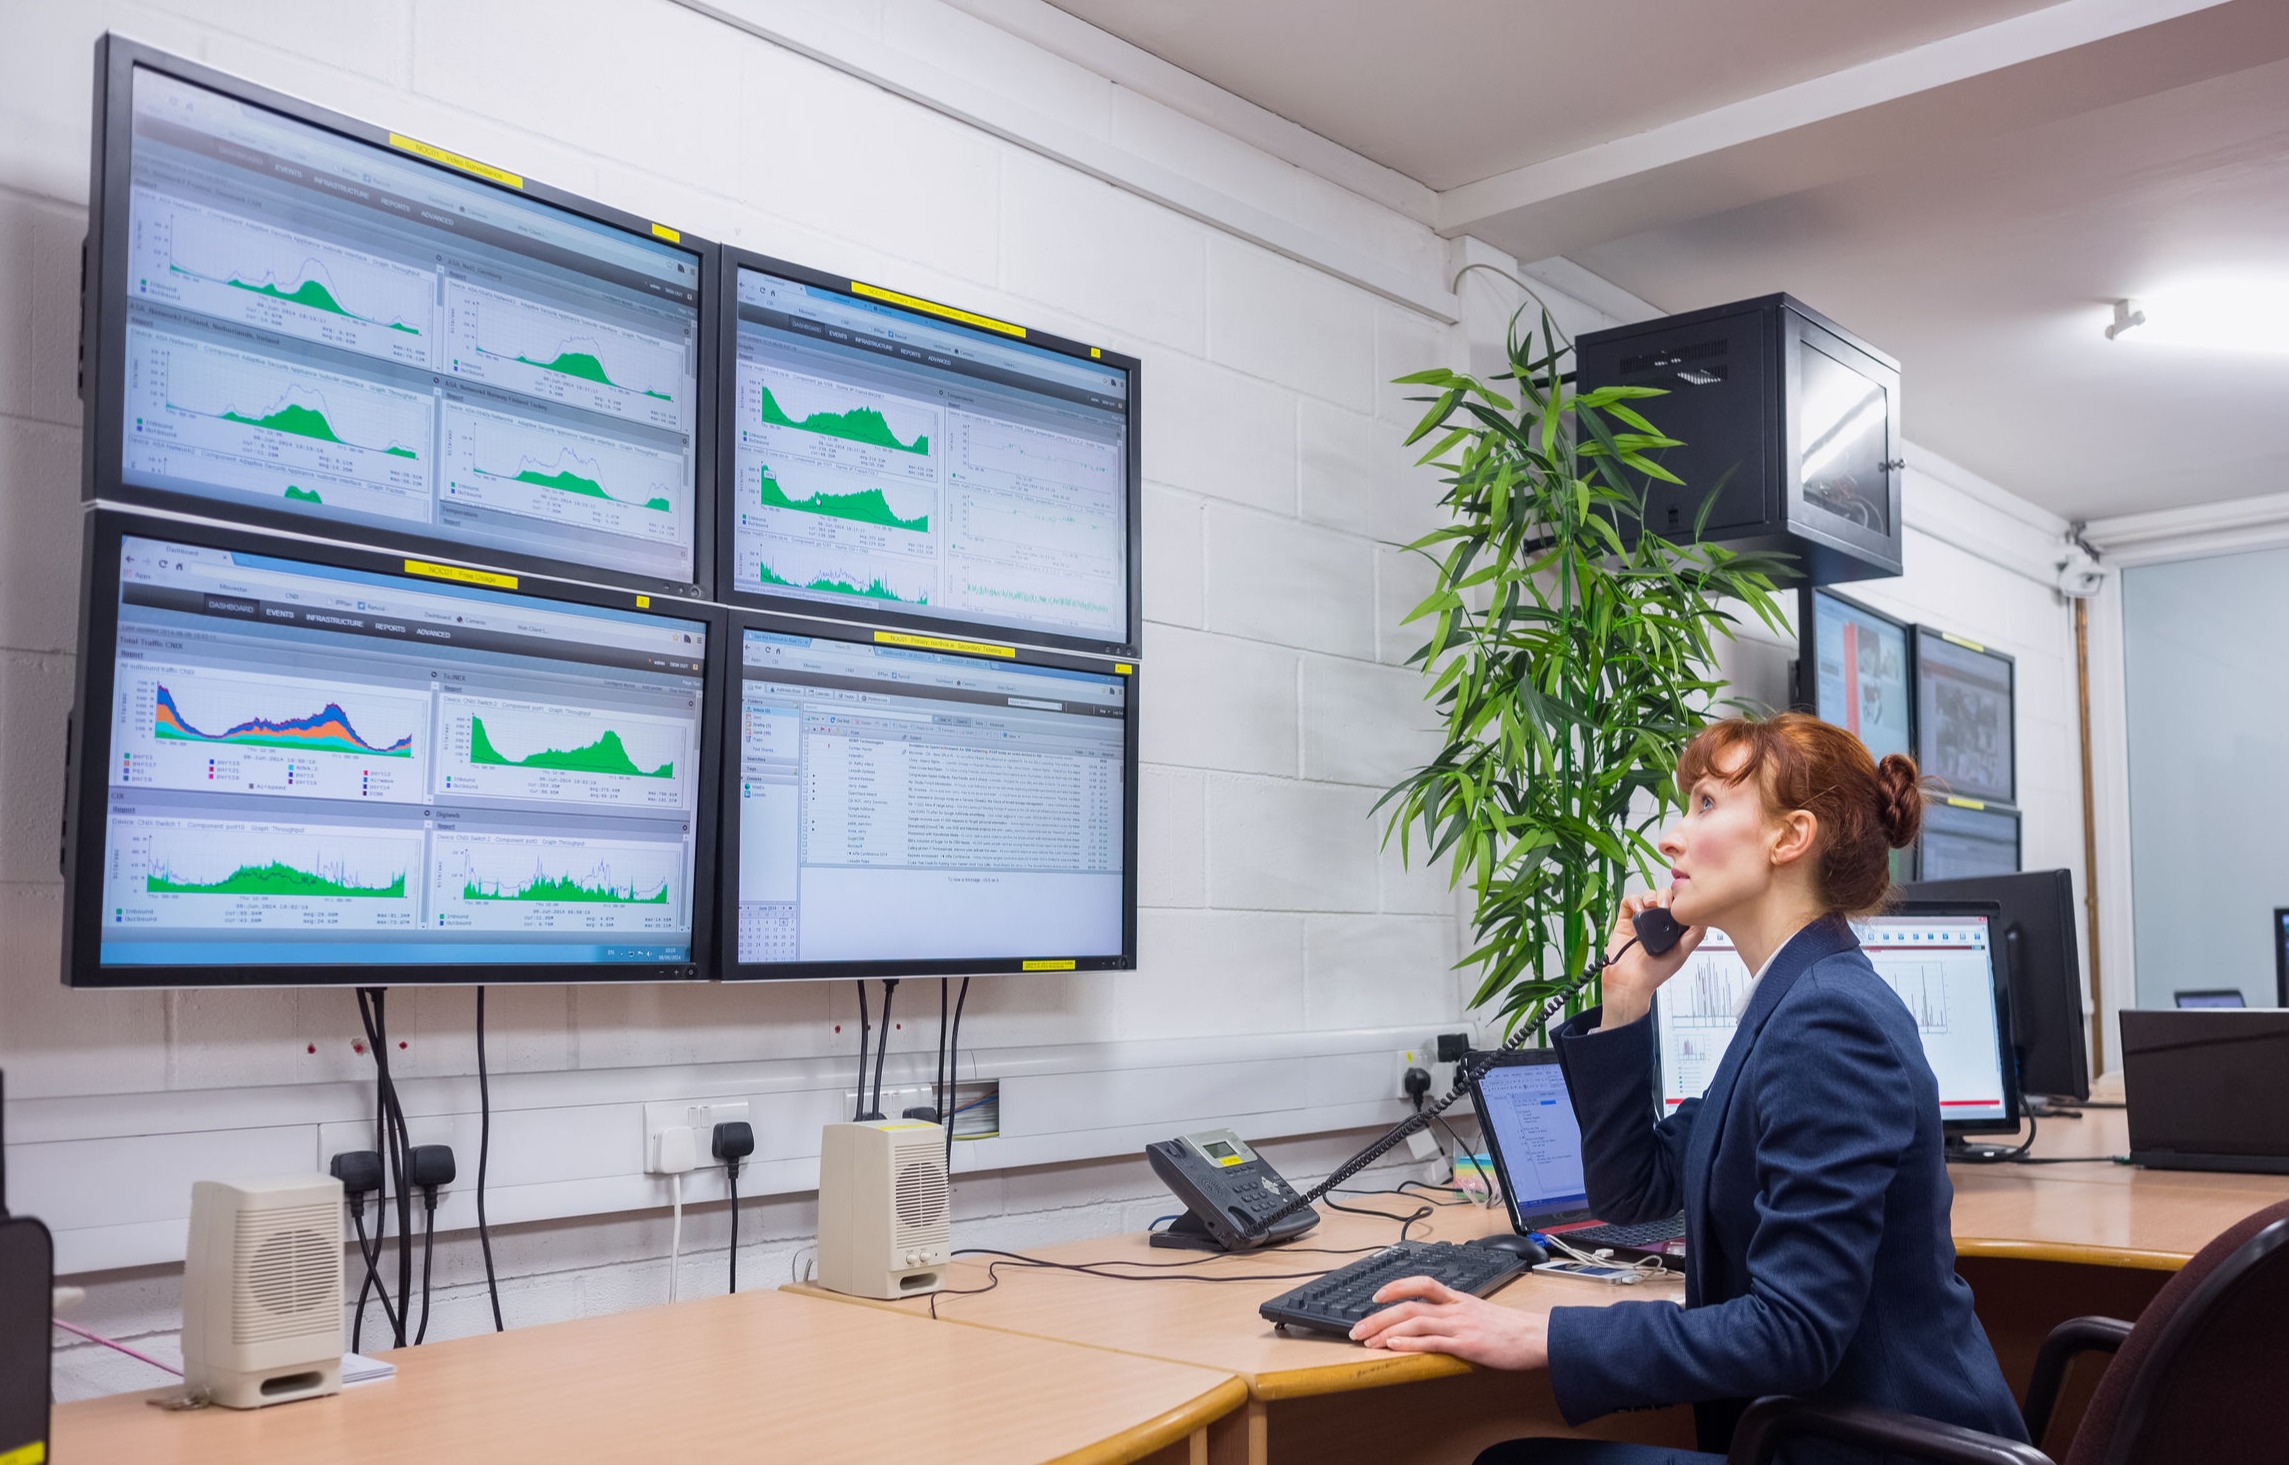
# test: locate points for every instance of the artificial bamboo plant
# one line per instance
(1571, 658)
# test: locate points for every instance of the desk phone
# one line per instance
(1227, 1189)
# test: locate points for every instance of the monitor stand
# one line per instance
(1962, 1151)
(2043, 1106)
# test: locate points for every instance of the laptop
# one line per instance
(2208, 1089)
(1536, 1145)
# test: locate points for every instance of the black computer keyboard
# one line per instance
(1643, 1235)
(1334, 1302)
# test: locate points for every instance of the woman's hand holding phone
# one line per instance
(1631, 978)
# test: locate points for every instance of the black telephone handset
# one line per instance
(1228, 1191)
(1657, 930)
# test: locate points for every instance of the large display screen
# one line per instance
(1963, 712)
(1942, 967)
(1858, 664)
(893, 464)
(315, 324)
(304, 767)
(1963, 838)
(906, 809)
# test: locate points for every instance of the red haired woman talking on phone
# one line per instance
(1819, 1260)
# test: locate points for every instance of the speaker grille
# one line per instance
(289, 1272)
(919, 1196)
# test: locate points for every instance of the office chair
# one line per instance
(2197, 1380)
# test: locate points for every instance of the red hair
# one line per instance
(1864, 809)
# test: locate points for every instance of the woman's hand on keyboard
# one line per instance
(1428, 1316)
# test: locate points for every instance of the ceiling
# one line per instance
(1452, 91)
(1971, 203)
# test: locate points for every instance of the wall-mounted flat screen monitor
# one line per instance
(1939, 956)
(908, 805)
(301, 766)
(1964, 731)
(1853, 664)
(901, 462)
(1964, 838)
(299, 320)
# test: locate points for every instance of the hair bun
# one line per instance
(1902, 790)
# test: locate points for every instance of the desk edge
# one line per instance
(2134, 1258)
(1140, 1440)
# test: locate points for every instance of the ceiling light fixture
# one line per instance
(2243, 314)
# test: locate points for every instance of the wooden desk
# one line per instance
(2039, 1244)
(763, 1375)
(1310, 1396)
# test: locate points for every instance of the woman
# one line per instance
(1819, 1260)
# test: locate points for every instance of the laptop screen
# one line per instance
(1529, 1119)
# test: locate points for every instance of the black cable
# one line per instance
(1407, 1223)
(381, 1200)
(858, 1106)
(484, 1153)
(371, 1251)
(428, 1252)
(372, 1008)
(954, 1076)
(939, 1099)
(731, 1176)
(1463, 1080)
(882, 1045)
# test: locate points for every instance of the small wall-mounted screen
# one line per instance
(1860, 672)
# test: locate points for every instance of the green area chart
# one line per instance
(867, 506)
(564, 889)
(584, 365)
(310, 294)
(272, 879)
(859, 425)
(606, 755)
(296, 421)
(566, 481)
(871, 590)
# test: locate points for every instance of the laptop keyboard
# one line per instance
(1643, 1234)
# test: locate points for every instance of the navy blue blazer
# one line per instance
(1819, 1259)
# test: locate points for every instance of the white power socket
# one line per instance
(1422, 1058)
(664, 1147)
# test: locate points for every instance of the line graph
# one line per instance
(1923, 987)
(1707, 995)
(561, 355)
(260, 274)
(216, 415)
(540, 470)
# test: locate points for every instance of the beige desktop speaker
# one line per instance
(262, 1291)
(884, 1228)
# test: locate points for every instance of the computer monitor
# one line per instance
(914, 805)
(298, 765)
(2043, 961)
(298, 320)
(1852, 664)
(2281, 952)
(896, 461)
(1965, 736)
(2208, 997)
(1965, 838)
(1938, 955)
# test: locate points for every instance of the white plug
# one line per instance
(675, 1149)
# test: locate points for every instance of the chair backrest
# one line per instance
(2204, 1376)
